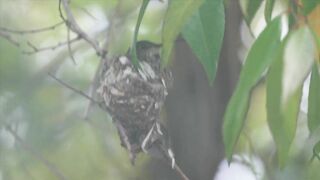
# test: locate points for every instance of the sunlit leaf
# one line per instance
(284, 87)
(260, 57)
(314, 101)
(178, 13)
(298, 59)
(204, 34)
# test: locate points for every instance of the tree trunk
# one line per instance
(195, 110)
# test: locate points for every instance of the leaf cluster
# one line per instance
(283, 55)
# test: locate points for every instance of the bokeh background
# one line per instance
(46, 134)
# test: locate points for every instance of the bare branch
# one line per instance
(100, 104)
(69, 48)
(61, 13)
(72, 24)
(9, 38)
(51, 167)
(35, 49)
(180, 172)
(88, 13)
(175, 166)
(52, 47)
(31, 31)
(70, 87)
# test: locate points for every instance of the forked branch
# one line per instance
(73, 26)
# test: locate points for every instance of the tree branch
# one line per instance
(31, 31)
(180, 172)
(100, 104)
(73, 25)
(36, 49)
(69, 47)
(9, 38)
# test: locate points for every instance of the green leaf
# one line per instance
(316, 38)
(284, 87)
(134, 57)
(281, 117)
(268, 10)
(274, 117)
(178, 14)
(204, 34)
(299, 53)
(316, 151)
(314, 101)
(250, 8)
(260, 57)
(309, 5)
(317, 42)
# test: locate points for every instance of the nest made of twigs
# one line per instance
(134, 98)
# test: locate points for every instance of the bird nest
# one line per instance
(134, 98)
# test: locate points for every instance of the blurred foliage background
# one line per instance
(43, 130)
(43, 133)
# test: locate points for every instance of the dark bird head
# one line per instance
(150, 53)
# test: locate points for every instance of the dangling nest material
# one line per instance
(134, 99)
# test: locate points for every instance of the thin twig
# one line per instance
(68, 32)
(100, 104)
(32, 46)
(180, 172)
(88, 13)
(51, 167)
(71, 88)
(51, 47)
(69, 47)
(61, 13)
(73, 25)
(175, 167)
(9, 38)
(31, 31)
